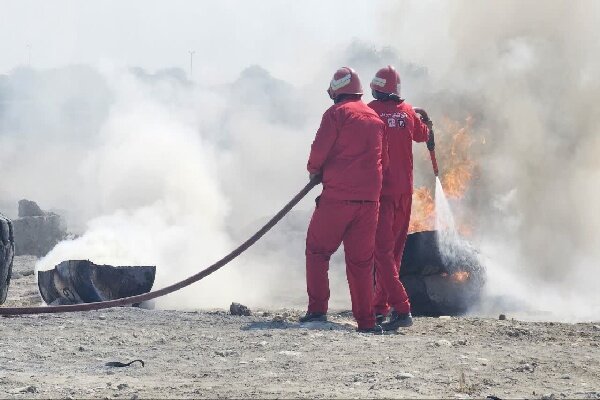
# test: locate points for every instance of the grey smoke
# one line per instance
(528, 71)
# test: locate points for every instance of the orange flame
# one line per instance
(459, 276)
(454, 140)
(459, 165)
(422, 217)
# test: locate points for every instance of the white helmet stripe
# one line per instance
(378, 82)
(340, 83)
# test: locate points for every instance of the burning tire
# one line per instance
(7, 252)
(440, 278)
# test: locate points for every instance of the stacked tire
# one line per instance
(7, 252)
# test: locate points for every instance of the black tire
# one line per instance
(7, 252)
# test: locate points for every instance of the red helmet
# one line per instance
(387, 80)
(344, 81)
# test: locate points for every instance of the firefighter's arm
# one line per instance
(321, 146)
(422, 126)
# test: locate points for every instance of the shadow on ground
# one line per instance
(319, 326)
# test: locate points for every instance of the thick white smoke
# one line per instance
(169, 173)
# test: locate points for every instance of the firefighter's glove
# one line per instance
(316, 177)
(424, 117)
(431, 141)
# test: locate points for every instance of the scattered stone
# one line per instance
(502, 317)
(24, 389)
(444, 317)
(597, 327)
(517, 332)
(290, 353)
(122, 386)
(278, 318)
(443, 343)
(462, 342)
(239, 309)
(404, 375)
(225, 353)
(526, 367)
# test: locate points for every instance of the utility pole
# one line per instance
(191, 64)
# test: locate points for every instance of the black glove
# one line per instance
(431, 140)
(317, 178)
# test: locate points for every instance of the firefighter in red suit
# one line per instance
(403, 126)
(347, 154)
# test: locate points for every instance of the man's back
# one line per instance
(348, 151)
(402, 126)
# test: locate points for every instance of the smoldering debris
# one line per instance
(82, 281)
(239, 309)
(37, 231)
(118, 364)
(436, 283)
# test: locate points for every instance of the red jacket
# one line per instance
(402, 126)
(348, 150)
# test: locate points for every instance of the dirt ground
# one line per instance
(210, 354)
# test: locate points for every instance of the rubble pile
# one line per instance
(36, 231)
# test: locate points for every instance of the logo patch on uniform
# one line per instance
(395, 120)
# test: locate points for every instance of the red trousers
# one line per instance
(354, 224)
(392, 229)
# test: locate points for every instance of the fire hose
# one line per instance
(434, 162)
(176, 286)
(425, 118)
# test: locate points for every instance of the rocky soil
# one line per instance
(210, 354)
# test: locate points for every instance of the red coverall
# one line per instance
(347, 151)
(402, 126)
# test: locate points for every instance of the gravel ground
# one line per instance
(209, 354)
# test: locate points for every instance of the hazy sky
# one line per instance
(226, 35)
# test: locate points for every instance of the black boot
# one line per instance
(397, 320)
(379, 318)
(375, 330)
(313, 317)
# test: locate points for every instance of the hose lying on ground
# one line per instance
(176, 286)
